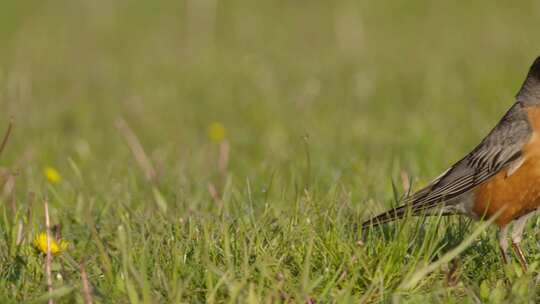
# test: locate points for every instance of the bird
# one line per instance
(499, 178)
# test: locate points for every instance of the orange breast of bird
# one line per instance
(518, 193)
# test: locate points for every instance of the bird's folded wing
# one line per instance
(500, 149)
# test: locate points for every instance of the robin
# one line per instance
(500, 177)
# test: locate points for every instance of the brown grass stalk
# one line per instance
(87, 289)
(405, 181)
(48, 257)
(215, 194)
(137, 150)
(6, 135)
(223, 161)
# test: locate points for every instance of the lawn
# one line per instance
(225, 151)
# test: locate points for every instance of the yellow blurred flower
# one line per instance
(40, 242)
(52, 175)
(216, 131)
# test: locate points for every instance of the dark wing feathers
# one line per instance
(500, 148)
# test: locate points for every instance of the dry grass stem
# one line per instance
(48, 257)
(20, 233)
(223, 161)
(405, 181)
(6, 135)
(87, 289)
(137, 149)
(214, 194)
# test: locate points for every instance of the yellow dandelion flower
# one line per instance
(40, 242)
(52, 175)
(216, 131)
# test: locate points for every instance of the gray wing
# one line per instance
(501, 147)
(499, 150)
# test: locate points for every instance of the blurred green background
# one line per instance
(374, 80)
(370, 82)
(368, 88)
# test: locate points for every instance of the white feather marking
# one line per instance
(514, 166)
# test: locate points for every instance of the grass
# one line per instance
(325, 106)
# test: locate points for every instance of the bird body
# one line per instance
(501, 176)
(514, 193)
